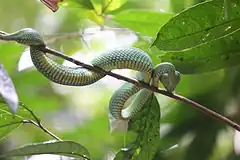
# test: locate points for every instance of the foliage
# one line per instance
(201, 38)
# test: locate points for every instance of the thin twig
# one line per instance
(14, 123)
(38, 122)
(145, 85)
(39, 125)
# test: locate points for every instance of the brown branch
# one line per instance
(141, 84)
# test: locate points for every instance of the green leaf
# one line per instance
(111, 5)
(198, 25)
(147, 125)
(102, 6)
(7, 120)
(177, 6)
(65, 148)
(217, 54)
(86, 4)
(145, 22)
(85, 9)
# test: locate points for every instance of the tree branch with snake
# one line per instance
(132, 58)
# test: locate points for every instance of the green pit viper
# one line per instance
(121, 58)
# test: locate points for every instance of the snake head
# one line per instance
(167, 74)
(170, 80)
(27, 36)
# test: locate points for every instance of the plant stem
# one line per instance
(38, 122)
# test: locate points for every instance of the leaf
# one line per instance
(111, 5)
(198, 25)
(85, 9)
(177, 6)
(86, 4)
(147, 125)
(145, 22)
(200, 140)
(102, 6)
(217, 54)
(65, 148)
(7, 121)
(7, 90)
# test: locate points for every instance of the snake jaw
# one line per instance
(27, 36)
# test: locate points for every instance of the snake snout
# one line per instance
(170, 80)
(28, 36)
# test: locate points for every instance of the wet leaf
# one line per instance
(198, 25)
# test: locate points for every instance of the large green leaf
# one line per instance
(217, 54)
(199, 24)
(146, 124)
(145, 22)
(65, 148)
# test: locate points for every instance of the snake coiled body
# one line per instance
(122, 58)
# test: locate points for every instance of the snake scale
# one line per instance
(121, 58)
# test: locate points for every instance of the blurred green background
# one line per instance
(81, 113)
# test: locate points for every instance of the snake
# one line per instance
(119, 58)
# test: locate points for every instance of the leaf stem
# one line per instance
(38, 122)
